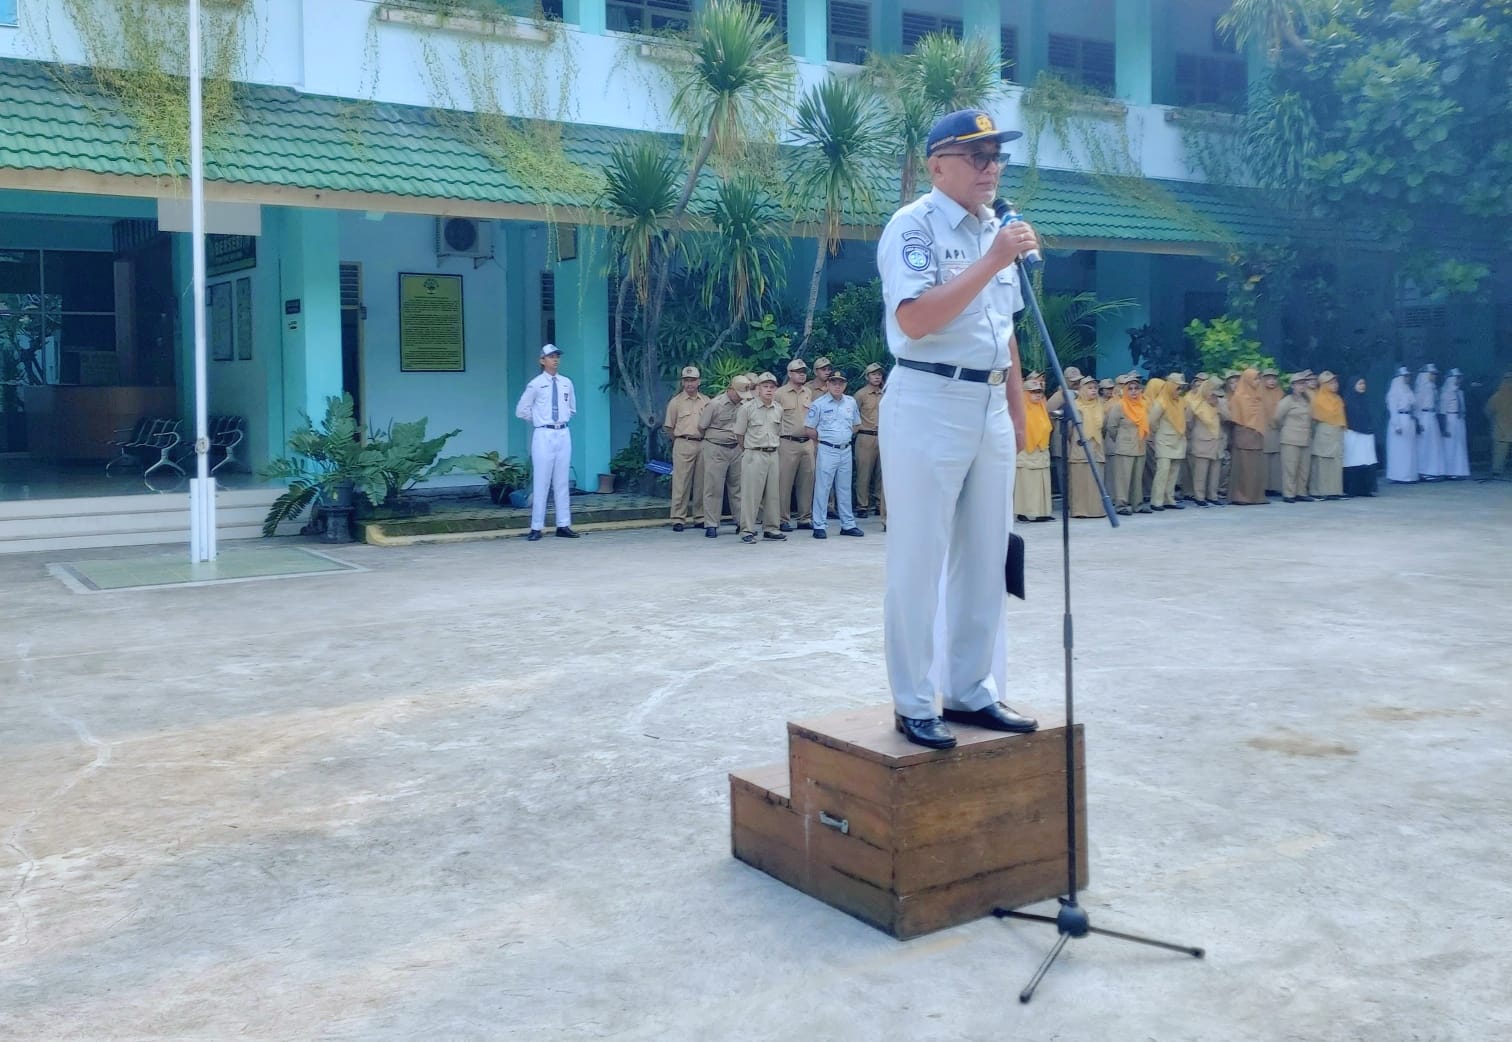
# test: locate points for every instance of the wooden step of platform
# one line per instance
(911, 840)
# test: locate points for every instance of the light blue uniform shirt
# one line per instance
(927, 243)
(835, 421)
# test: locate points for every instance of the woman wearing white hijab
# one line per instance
(1452, 410)
(1401, 431)
(1430, 443)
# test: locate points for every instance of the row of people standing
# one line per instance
(1426, 437)
(1237, 441)
(820, 457)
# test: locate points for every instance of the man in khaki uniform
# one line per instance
(819, 385)
(758, 426)
(796, 455)
(721, 454)
(868, 459)
(681, 428)
(1294, 422)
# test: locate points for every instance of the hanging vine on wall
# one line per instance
(498, 92)
(137, 54)
(1094, 131)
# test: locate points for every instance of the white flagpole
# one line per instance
(201, 487)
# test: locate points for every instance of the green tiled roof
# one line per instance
(290, 140)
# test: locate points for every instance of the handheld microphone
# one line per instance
(1007, 213)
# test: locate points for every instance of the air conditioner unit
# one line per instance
(464, 237)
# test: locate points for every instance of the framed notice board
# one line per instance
(430, 324)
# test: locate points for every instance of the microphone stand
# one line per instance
(1072, 919)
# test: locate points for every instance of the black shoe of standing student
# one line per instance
(678, 527)
(852, 531)
(773, 535)
(535, 533)
(710, 532)
(786, 526)
(931, 733)
(749, 537)
(820, 533)
(567, 533)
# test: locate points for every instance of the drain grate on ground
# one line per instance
(238, 564)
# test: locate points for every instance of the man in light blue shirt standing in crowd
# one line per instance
(832, 421)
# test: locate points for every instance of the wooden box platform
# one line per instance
(909, 839)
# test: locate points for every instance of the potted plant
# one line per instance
(504, 475)
(326, 467)
(403, 458)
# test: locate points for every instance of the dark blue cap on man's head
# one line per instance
(965, 127)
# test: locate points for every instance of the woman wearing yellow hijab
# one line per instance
(1126, 431)
(1247, 441)
(1085, 500)
(1031, 483)
(1168, 421)
(1205, 442)
(1327, 480)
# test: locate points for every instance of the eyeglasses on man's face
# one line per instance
(979, 160)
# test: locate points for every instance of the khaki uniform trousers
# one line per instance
(869, 474)
(721, 471)
(795, 469)
(1295, 460)
(1205, 478)
(1128, 481)
(759, 474)
(687, 488)
(1163, 491)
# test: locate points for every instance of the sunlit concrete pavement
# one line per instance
(479, 790)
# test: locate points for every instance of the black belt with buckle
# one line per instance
(835, 445)
(795, 437)
(872, 433)
(760, 448)
(957, 372)
(725, 444)
(688, 437)
(550, 426)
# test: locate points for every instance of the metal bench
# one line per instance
(147, 436)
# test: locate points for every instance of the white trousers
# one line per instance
(947, 463)
(833, 475)
(550, 460)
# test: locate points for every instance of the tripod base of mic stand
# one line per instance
(1071, 921)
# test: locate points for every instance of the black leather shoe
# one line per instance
(678, 527)
(566, 533)
(995, 717)
(749, 537)
(1288, 499)
(786, 526)
(1124, 512)
(711, 532)
(535, 533)
(1174, 506)
(931, 733)
(1144, 509)
(852, 531)
(820, 533)
(773, 535)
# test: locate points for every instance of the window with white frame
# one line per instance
(849, 31)
(8, 12)
(1084, 61)
(649, 16)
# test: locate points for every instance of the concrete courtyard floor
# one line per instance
(478, 791)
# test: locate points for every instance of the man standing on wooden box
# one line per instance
(548, 404)
(681, 428)
(952, 423)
